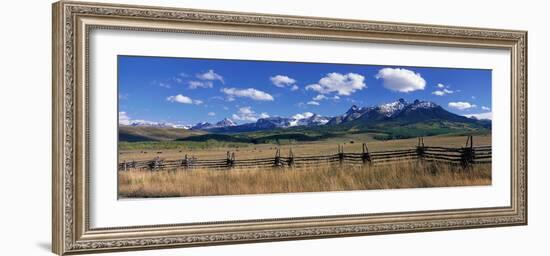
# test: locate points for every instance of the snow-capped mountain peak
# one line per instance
(145, 123)
(354, 108)
(225, 122)
(273, 122)
(393, 108)
(308, 119)
(201, 125)
(317, 120)
(383, 111)
(423, 104)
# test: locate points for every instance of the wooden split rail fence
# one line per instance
(465, 156)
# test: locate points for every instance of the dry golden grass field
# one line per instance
(412, 174)
(203, 182)
(321, 147)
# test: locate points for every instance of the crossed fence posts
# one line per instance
(230, 159)
(156, 164)
(278, 160)
(366, 155)
(128, 165)
(290, 157)
(187, 161)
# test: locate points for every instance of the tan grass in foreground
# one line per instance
(309, 179)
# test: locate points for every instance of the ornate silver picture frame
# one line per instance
(72, 24)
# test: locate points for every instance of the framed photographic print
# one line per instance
(179, 127)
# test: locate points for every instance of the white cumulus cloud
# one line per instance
(211, 113)
(443, 92)
(247, 114)
(438, 93)
(247, 93)
(487, 115)
(320, 97)
(200, 84)
(183, 99)
(401, 80)
(485, 108)
(282, 81)
(461, 105)
(315, 103)
(444, 89)
(303, 115)
(123, 118)
(164, 85)
(339, 83)
(210, 75)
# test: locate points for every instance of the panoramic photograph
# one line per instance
(213, 127)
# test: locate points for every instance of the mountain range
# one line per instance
(307, 119)
(397, 119)
(226, 122)
(398, 112)
(145, 123)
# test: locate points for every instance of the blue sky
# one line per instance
(187, 91)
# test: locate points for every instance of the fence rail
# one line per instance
(465, 156)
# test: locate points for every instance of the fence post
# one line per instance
(366, 155)
(185, 162)
(420, 149)
(468, 154)
(290, 158)
(341, 153)
(277, 161)
(155, 164)
(193, 160)
(470, 141)
(124, 164)
(230, 160)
